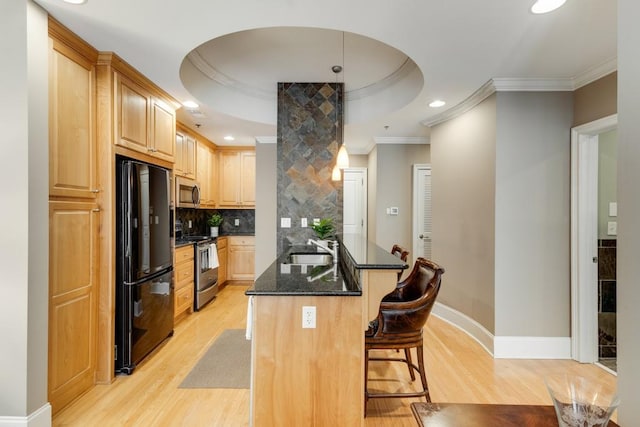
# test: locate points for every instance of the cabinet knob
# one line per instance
(95, 190)
(95, 210)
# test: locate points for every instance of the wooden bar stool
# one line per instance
(401, 317)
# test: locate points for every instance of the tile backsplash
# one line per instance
(246, 219)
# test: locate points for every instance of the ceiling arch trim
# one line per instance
(215, 75)
(404, 71)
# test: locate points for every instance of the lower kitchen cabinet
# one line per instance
(73, 292)
(221, 244)
(242, 254)
(184, 285)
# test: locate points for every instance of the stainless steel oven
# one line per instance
(206, 283)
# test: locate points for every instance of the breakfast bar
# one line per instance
(308, 318)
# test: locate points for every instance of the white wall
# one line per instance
(628, 272)
(24, 225)
(607, 172)
(394, 189)
(266, 209)
(532, 213)
(463, 197)
(372, 196)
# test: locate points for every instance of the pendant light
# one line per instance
(342, 160)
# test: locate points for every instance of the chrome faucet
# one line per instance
(333, 250)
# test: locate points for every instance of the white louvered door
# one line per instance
(422, 211)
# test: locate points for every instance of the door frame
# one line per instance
(584, 237)
(414, 230)
(365, 190)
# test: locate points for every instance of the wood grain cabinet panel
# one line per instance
(73, 260)
(183, 282)
(145, 123)
(72, 152)
(222, 260)
(237, 172)
(241, 257)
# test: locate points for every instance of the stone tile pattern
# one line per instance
(198, 217)
(607, 337)
(309, 134)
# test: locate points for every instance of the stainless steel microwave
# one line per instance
(187, 193)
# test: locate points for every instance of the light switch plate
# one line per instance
(613, 209)
(612, 228)
(285, 222)
(303, 222)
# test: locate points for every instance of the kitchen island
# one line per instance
(314, 375)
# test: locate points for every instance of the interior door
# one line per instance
(422, 211)
(354, 218)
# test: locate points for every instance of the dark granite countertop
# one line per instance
(367, 255)
(281, 278)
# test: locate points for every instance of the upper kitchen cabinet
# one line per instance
(237, 184)
(72, 120)
(145, 122)
(185, 159)
(207, 167)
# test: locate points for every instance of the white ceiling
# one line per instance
(397, 55)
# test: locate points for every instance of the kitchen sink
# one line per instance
(310, 258)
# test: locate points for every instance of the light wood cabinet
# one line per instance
(205, 174)
(185, 158)
(145, 123)
(73, 288)
(237, 182)
(72, 120)
(221, 244)
(183, 282)
(241, 258)
(74, 218)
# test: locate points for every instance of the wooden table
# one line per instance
(475, 415)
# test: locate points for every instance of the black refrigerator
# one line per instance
(144, 269)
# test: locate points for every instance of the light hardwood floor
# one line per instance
(458, 370)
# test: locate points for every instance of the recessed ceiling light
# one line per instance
(229, 138)
(437, 103)
(545, 6)
(190, 104)
(75, 1)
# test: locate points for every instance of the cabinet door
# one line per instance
(202, 174)
(72, 88)
(189, 153)
(213, 177)
(229, 183)
(73, 290)
(179, 164)
(132, 106)
(241, 261)
(222, 260)
(248, 179)
(163, 130)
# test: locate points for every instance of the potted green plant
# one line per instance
(214, 222)
(324, 228)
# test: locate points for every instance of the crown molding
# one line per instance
(523, 85)
(401, 140)
(595, 73)
(476, 98)
(266, 139)
(532, 85)
(407, 67)
(215, 75)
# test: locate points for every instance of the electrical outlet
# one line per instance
(236, 222)
(309, 316)
(285, 222)
(316, 221)
(303, 222)
(190, 224)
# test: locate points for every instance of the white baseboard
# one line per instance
(532, 348)
(466, 324)
(506, 347)
(39, 418)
